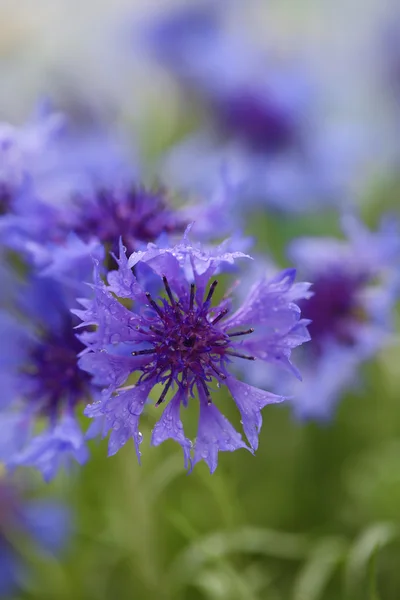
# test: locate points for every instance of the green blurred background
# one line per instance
(316, 513)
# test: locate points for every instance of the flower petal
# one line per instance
(215, 434)
(250, 401)
(169, 426)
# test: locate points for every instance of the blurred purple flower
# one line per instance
(84, 183)
(355, 286)
(38, 366)
(140, 215)
(265, 122)
(186, 343)
(46, 522)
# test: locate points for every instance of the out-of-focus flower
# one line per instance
(186, 343)
(263, 118)
(45, 522)
(355, 287)
(21, 148)
(41, 381)
(140, 215)
(83, 183)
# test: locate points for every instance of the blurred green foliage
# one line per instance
(314, 515)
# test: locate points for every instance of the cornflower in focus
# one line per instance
(45, 523)
(186, 342)
(355, 287)
(263, 120)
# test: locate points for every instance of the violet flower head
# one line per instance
(259, 106)
(41, 380)
(355, 287)
(188, 342)
(46, 523)
(84, 183)
(137, 214)
(266, 120)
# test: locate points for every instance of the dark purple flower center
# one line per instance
(333, 309)
(262, 124)
(136, 214)
(54, 380)
(188, 346)
(6, 198)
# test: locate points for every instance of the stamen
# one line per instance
(220, 316)
(143, 352)
(156, 330)
(205, 388)
(154, 305)
(168, 290)
(211, 291)
(241, 332)
(184, 377)
(164, 392)
(192, 292)
(232, 353)
(221, 344)
(214, 368)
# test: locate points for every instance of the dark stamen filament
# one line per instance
(164, 392)
(155, 330)
(211, 291)
(192, 291)
(214, 368)
(241, 332)
(154, 305)
(232, 353)
(168, 290)
(143, 352)
(205, 388)
(220, 316)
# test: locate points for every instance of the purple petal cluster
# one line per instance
(263, 119)
(186, 342)
(77, 182)
(356, 285)
(41, 381)
(137, 214)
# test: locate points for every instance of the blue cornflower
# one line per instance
(45, 522)
(41, 381)
(84, 183)
(186, 342)
(140, 215)
(264, 120)
(355, 287)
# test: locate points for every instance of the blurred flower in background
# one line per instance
(351, 311)
(262, 117)
(45, 524)
(40, 376)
